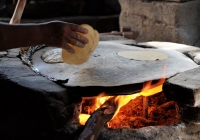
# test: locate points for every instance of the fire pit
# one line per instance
(51, 110)
(133, 115)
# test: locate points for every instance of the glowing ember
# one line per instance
(121, 100)
(136, 110)
(160, 112)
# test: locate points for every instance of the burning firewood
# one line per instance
(98, 119)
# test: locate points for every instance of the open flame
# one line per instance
(121, 100)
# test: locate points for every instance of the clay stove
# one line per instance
(174, 127)
(44, 107)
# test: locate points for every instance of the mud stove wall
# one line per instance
(32, 106)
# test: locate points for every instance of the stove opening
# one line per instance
(147, 108)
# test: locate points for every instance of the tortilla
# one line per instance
(81, 55)
(143, 55)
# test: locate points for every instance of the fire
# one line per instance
(121, 100)
(83, 118)
(149, 89)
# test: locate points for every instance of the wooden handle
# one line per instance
(16, 18)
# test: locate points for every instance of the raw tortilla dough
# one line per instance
(53, 56)
(81, 55)
(143, 55)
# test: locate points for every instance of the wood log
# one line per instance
(126, 32)
(97, 120)
(125, 29)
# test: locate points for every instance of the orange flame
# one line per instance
(122, 100)
(83, 118)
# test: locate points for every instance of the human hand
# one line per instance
(62, 34)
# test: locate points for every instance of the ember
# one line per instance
(160, 112)
(149, 107)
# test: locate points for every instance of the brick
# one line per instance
(184, 88)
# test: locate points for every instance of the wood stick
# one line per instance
(145, 88)
(16, 18)
(145, 106)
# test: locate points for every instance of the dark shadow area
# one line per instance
(101, 14)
